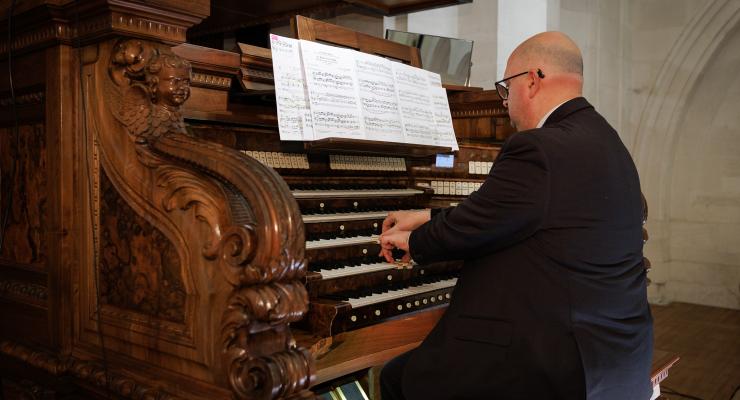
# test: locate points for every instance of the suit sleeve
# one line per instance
(509, 207)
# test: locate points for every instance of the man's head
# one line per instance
(553, 73)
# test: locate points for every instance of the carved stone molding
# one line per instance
(92, 372)
(24, 292)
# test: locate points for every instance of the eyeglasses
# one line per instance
(503, 90)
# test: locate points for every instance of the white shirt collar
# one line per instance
(542, 121)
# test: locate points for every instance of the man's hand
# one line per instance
(406, 220)
(395, 239)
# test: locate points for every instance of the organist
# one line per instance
(551, 302)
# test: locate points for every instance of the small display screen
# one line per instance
(445, 160)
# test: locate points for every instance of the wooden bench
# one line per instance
(662, 362)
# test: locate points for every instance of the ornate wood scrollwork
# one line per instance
(253, 224)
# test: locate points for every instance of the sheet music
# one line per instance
(415, 104)
(291, 93)
(434, 79)
(445, 134)
(332, 91)
(378, 98)
(324, 91)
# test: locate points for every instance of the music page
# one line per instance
(378, 99)
(415, 104)
(434, 78)
(332, 91)
(445, 134)
(291, 93)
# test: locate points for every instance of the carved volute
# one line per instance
(233, 221)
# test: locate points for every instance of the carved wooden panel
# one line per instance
(23, 292)
(24, 235)
(140, 268)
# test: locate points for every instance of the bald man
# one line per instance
(551, 301)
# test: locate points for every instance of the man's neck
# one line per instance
(548, 105)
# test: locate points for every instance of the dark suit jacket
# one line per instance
(551, 302)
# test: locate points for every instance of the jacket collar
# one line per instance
(566, 109)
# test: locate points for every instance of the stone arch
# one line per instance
(656, 134)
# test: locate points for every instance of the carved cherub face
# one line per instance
(170, 84)
(174, 85)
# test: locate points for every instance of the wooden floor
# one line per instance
(708, 341)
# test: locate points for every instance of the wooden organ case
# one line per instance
(164, 244)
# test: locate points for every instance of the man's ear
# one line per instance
(533, 86)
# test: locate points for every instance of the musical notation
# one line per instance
(377, 88)
(374, 66)
(333, 100)
(412, 78)
(336, 120)
(445, 132)
(329, 80)
(414, 97)
(416, 112)
(377, 106)
(392, 125)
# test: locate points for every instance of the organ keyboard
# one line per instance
(337, 193)
(340, 241)
(347, 216)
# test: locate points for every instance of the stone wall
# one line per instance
(685, 122)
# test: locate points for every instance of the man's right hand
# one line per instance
(406, 220)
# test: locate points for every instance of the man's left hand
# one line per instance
(395, 238)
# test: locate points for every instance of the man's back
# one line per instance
(593, 230)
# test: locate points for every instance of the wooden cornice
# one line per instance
(40, 24)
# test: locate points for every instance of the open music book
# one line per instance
(325, 91)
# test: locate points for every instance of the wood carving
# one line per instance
(139, 265)
(252, 230)
(24, 291)
(25, 230)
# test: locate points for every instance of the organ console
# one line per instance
(164, 243)
(344, 190)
